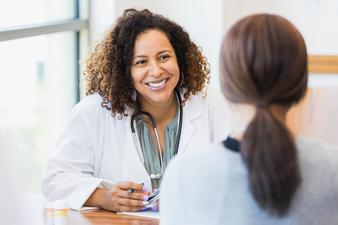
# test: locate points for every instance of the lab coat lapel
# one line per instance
(192, 112)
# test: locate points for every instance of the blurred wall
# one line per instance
(8, 178)
(316, 115)
(316, 19)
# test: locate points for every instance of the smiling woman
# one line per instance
(136, 79)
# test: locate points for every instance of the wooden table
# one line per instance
(107, 218)
(32, 212)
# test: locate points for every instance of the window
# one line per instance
(39, 77)
(15, 13)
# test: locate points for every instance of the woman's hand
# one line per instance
(120, 197)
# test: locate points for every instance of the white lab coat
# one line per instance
(96, 149)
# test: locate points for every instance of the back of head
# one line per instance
(264, 63)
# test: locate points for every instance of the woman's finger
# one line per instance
(136, 196)
(132, 202)
(130, 185)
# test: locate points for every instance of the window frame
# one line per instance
(76, 24)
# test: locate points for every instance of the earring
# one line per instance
(134, 96)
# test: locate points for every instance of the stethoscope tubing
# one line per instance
(153, 125)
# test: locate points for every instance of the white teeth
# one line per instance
(157, 84)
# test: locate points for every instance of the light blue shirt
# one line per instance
(211, 188)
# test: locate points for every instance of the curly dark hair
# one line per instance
(108, 67)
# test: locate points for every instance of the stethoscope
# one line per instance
(154, 127)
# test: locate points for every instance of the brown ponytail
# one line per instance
(264, 64)
(270, 155)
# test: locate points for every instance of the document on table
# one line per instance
(88, 208)
(148, 214)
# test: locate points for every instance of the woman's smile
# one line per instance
(158, 85)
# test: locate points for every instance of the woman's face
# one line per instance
(154, 68)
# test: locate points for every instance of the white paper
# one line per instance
(88, 208)
(148, 214)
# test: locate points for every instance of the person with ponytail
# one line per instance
(264, 174)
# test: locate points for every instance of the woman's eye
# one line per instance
(140, 62)
(164, 57)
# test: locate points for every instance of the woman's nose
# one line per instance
(155, 69)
